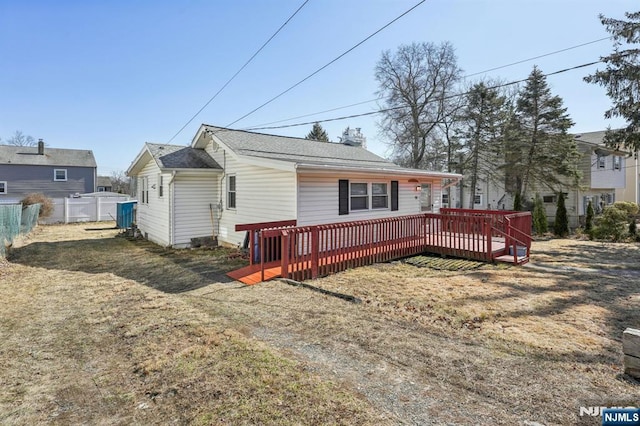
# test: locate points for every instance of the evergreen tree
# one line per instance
(588, 224)
(317, 133)
(517, 202)
(620, 78)
(561, 225)
(484, 118)
(540, 223)
(541, 152)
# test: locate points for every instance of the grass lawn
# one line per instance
(98, 329)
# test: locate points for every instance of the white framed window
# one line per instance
(548, 198)
(59, 175)
(601, 162)
(231, 191)
(617, 163)
(160, 186)
(144, 190)
(477, 199)
(368, 196)
(445, 199)
(3, 186)
(379, 196)
(359, 196)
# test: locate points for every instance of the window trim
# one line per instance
(444, 194)
(549, 199)
(234, 192)
(3, 191)
(55, 175)
(601, 162)
(160, 186)
(617, 162)
(369, 196)
(480, 199)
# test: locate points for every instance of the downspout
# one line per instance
(172, 211)
(224, 173)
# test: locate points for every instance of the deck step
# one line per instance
(505, 258)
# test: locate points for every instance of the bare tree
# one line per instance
(415, 82)
(120, 182)
(20, 139)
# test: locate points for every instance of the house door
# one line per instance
(426, 202)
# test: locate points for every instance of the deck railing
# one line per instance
(310, 251)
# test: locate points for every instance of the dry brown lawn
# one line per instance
(99, 329)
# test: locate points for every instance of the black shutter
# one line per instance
(394, 195)
(343, 196)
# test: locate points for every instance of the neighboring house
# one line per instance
(230, 177)
(104, 184)
(54, 172)
(604, 174)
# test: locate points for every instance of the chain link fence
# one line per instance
(16, 220)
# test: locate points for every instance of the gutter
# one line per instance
(381, 170)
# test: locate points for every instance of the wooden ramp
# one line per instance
(252, 274)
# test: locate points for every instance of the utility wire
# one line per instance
(326, 65)
(239, 71)
(464, 77)
(401, 107)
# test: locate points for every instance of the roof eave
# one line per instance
(381, 170)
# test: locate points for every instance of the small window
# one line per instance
(144, 190)
(231, 192)
(160, 186)
(477, 199)
(379, 196)
(359, 196)
(548, 198)
(3, 187)
(101, 189)
(616, 163)
(445, 198)
(60, 174)
(601, 162)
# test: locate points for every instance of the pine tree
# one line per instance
(542, 153)
(484, 118)
(517, 202)
(540, 224)
(561, 225)
(620, 78)
(588, 224)
(317, 133)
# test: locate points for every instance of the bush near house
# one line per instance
(561, 224)
(540, 222)
(617, 222)
(46, 204)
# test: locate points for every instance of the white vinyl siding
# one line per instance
(195, 201)
(153, 215)
(318, 198)
(605, 175)
(262, 195)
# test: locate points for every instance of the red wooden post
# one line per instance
(261, 256)
(315, 251)
(284, 254)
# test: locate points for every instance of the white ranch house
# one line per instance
(228, 177)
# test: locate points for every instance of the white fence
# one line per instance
(85, 209)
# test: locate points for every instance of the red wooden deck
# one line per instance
(308, 252)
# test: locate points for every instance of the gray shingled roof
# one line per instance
(595, 138)
(181, 157)
(28, 155)
(298, 150)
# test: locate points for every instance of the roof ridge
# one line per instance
(269, 134)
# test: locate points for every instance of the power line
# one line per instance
(537, 57)
(401, 107)
(464, 77)
(327, 64)
(239, 71)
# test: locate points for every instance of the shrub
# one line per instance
(561, 224)
(615, 223)
(588, 224)
(46, 204)
(517, 202)
(540, 223)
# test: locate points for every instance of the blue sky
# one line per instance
(109, 76)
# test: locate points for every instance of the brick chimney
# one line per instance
(40, 147)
